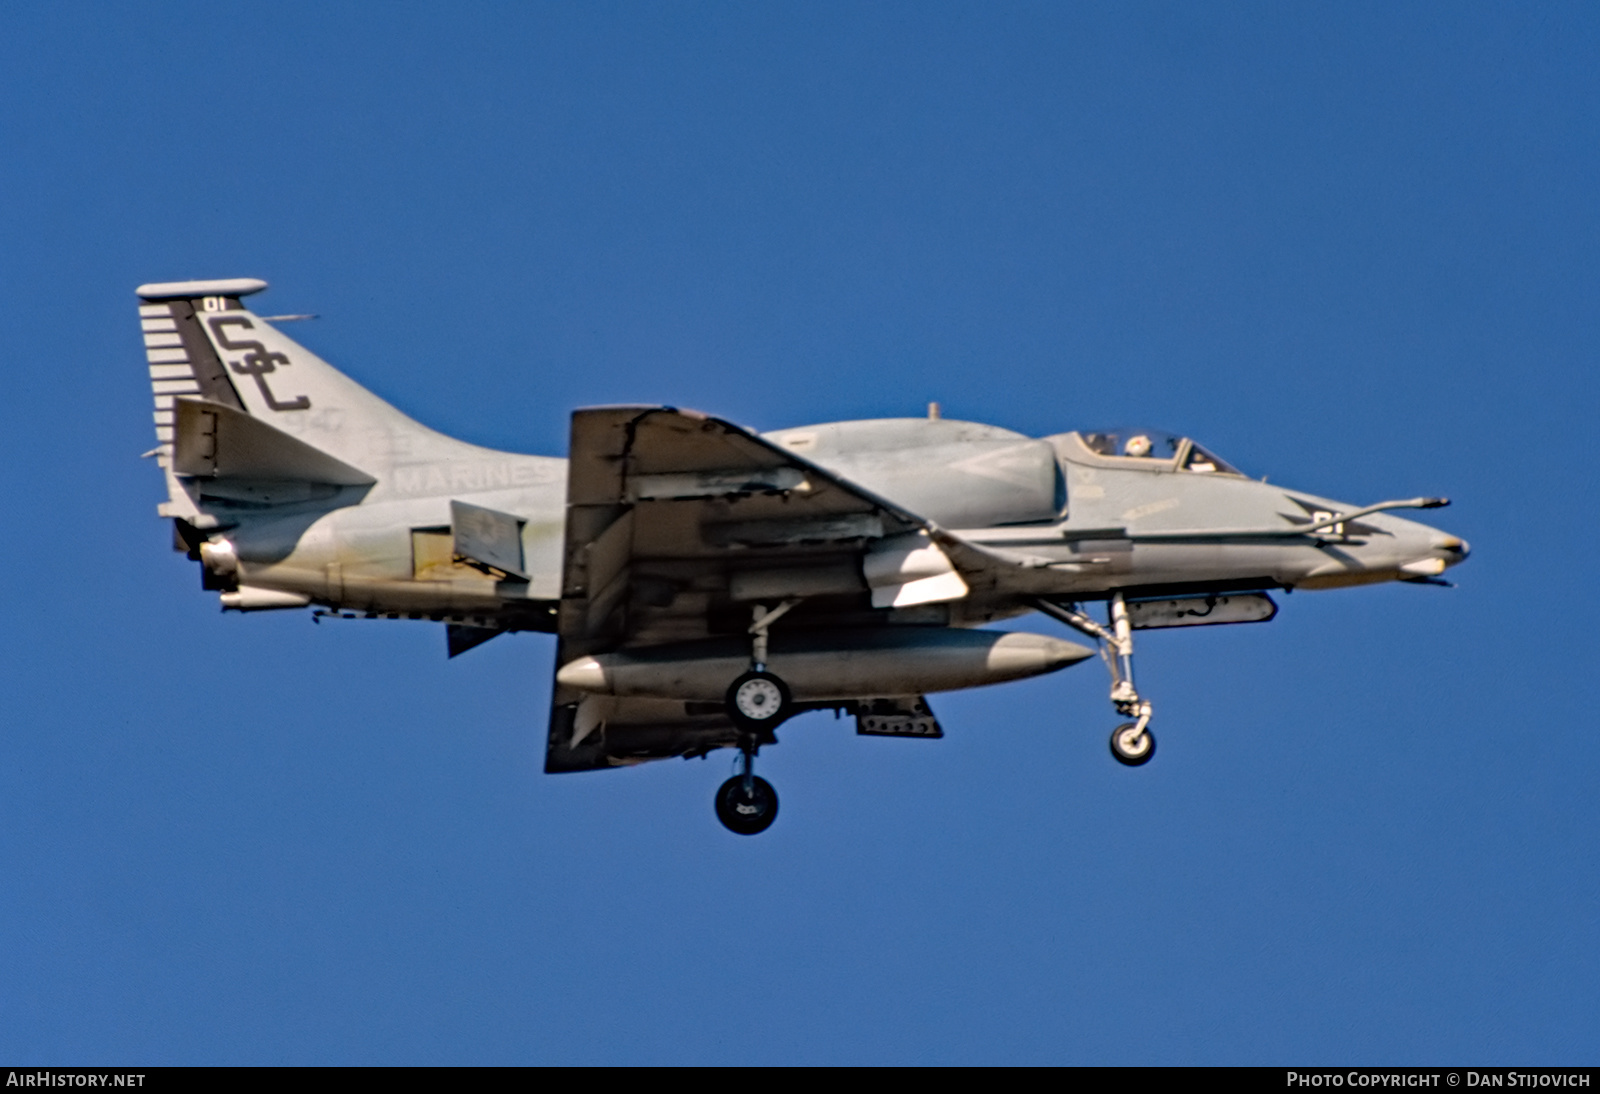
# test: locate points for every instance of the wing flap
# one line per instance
(595, 732)
(670, 511)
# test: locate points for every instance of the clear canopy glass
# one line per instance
(1156, 445)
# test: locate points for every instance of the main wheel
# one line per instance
(747, 813)
(1131, 745)
(758, 701)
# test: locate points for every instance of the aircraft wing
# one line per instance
(678, 526)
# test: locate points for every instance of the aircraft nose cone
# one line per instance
(1452, 545)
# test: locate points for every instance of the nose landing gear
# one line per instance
(1132, 743)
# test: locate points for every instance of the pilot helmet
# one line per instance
(1138, 445)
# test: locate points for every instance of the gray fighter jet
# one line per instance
(706, 583)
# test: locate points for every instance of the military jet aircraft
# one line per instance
(705, 582)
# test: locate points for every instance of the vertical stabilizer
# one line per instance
(182, 360)
(203, 343)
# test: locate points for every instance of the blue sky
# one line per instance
(1349, 246)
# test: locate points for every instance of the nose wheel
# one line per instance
(1132, 744)
(746, 803)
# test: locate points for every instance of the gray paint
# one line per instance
(294, 485)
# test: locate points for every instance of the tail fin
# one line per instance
(182, 361)
(203, 343)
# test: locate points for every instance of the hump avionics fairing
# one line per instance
(706, 583)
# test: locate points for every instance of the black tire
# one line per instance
(745, 813)
(758, 702)
(1134, 751)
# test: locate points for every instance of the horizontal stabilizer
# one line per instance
(234, 287)
(216, 441)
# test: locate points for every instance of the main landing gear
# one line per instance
(757, 703)
(1132, 743)
(758, 700)
(746, 803)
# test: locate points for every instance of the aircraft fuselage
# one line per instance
(1082, 524)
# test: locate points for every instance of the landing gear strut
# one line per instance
(1132, 743)
(746, 803)
(759, 701)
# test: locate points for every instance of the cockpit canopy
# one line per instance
(1155, 445)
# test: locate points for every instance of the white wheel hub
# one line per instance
(1133, 742)
(758, 699)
